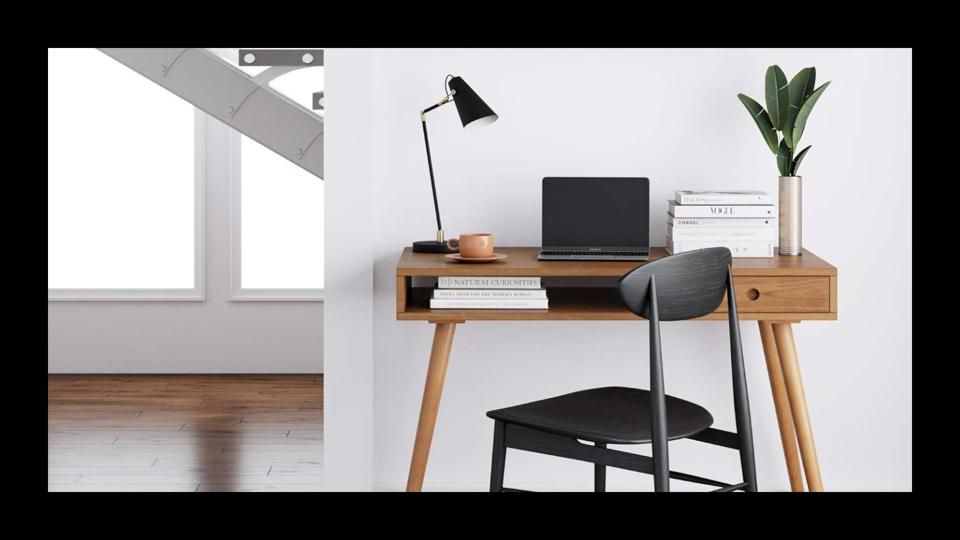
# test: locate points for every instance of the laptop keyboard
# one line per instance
(591, 252)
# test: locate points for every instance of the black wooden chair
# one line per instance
(674, 288)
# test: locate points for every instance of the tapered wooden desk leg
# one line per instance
(436, 372)
(781, 402)
(787, 349)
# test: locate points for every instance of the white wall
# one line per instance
(214, 336)
(349, 228)
(671, 115)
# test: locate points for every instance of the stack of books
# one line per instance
(456, 292)
(745, 222)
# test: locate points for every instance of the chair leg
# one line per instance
(747, 463)
(499, 456)
(600, 474)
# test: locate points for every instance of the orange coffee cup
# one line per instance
(474, 245)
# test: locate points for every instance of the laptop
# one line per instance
(595, 219)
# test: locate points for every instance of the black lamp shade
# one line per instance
(472, 110)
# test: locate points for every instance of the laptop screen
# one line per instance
(596, 212)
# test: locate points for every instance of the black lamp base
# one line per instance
(432, 246)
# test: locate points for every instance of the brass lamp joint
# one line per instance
(446, 99)
(440, 236)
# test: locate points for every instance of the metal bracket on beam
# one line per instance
(165, 68)
(302, 150)
(281, 57)
(318, 101)
(234, 109)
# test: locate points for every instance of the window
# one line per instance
(277, 213)
(125, 184)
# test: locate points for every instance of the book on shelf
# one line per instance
(737, 249)
(681, 222)
(722, 234)
(486, 294)
(488, 303)
(721, 210)
(488, 282)
(723, 197)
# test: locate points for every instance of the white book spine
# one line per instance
(493, 303)
(470, 282)
(737, 249)
(490, 293)
(681, 222)
(723, 198)
(721, 210)
(723, 234)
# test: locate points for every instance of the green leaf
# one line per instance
(784, 159)
(811, 84)
(797, 90)
(763, 121)
(798, 159)
(776, 94)
(804, 113)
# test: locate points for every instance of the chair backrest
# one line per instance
(688, 285)
(680, 287)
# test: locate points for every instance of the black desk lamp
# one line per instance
(473, 112)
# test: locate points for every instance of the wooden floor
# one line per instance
(185, 432)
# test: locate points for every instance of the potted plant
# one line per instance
(782, 124)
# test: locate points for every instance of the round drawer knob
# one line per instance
(753, 294)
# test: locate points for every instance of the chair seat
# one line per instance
(614, 415)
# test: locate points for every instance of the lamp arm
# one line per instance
(426, 142)
(433, 185)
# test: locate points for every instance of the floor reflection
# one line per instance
(185, 433)
(217, 454)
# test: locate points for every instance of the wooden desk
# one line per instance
(776, 292)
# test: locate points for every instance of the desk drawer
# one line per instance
(761, 294)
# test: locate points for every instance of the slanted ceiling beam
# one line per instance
(233, 97)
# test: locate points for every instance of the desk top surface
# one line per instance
(522, 261)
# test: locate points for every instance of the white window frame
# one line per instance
(237, 292)
(198, 292)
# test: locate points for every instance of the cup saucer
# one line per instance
(460, 258)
